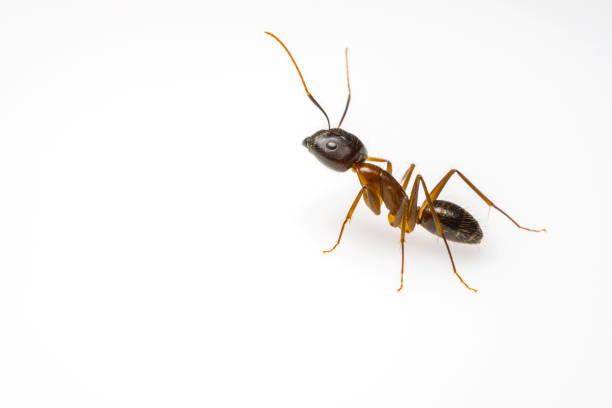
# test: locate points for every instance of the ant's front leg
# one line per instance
(348, 217)
(378, 159)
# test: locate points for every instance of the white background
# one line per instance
(161, 225)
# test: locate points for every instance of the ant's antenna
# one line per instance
(302, 78)
(348, 83)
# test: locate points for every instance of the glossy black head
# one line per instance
(336, 148)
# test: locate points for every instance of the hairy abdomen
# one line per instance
(457, 223)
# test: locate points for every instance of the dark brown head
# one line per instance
(336, 148)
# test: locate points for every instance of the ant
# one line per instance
(340, 150)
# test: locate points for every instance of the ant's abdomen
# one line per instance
(457, 223)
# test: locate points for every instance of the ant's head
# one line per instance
(336, 148)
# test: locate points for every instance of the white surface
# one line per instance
(161, 225)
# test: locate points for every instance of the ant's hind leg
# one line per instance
(438, 188)
(429, 201)
(348, 217)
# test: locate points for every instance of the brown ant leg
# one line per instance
(438, 188)
(409, 211)
(406, 177)
(378, 159)
(404, 208)
(429, 202)
(348, 217)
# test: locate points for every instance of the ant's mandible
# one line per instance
(340, 150)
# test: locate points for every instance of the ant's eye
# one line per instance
(331, 145)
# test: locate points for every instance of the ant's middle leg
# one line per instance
(406, 176)
(348, 217)
(408, 218)
(378, 159)
(438, 188)
(404, 209)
